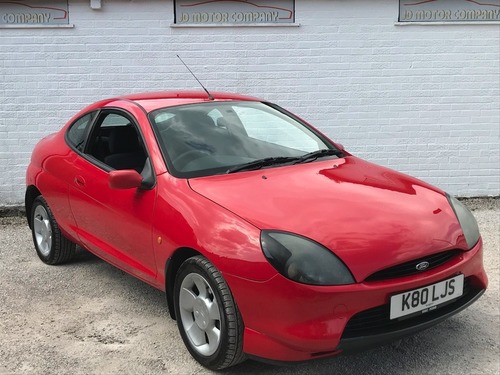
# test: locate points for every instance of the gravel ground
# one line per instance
(88, 317)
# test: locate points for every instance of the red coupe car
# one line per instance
(270, 240)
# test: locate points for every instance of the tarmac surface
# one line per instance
(87, 317)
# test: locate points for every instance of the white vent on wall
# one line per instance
(95, 4)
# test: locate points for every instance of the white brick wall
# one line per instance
(421, 99)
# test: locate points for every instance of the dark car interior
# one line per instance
(125, 150)
(118, 146)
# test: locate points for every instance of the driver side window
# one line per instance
(116, 141)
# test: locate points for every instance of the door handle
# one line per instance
(79, 181)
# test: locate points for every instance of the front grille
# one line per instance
(409, 268)
(376, 320)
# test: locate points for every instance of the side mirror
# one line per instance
(124, 179)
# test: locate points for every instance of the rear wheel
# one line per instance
(51, 246)
(207, 316)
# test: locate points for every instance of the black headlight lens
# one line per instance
(303, 260)
(466, 220)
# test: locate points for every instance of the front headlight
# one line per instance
(466, 220)
(303, 260)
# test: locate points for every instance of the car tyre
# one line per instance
(51, 246)
(209, 321)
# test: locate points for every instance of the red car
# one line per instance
(270, 240)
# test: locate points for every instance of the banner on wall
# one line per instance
(449, 10)
(34, 13)
(221, 12)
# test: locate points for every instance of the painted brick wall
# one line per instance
(421, 99)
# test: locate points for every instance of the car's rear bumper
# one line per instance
(287, 321)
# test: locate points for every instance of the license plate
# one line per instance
(426, 298)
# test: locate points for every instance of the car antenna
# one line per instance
(201, 84)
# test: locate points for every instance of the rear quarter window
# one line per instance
(77, 132)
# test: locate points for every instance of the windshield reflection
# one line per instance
(206, 139)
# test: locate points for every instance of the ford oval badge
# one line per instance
(422, 266)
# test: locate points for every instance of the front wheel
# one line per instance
(208, 319)
(51, 246)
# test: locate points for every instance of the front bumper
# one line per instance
(287, 321)
(352, 342)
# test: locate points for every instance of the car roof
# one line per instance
(151, 101)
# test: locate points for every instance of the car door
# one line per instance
(115, 224)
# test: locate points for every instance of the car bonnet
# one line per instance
(370, 216)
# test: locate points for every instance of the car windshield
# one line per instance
(232, 136)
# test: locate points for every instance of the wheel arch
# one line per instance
(171, 267)
(31, 193)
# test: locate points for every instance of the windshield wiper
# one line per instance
(311, 156)
(266, 162)
(260, 163)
